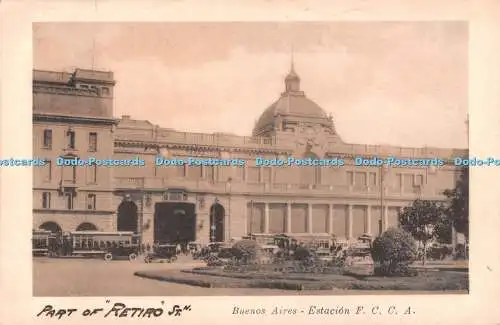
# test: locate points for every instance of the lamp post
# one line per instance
(212, 217)
(251, 219)
(381, 220)
(229, 180)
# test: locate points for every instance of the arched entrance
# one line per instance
(86, 226)
(174, 222)
(51, 226)
(127, 216)
(217, 215)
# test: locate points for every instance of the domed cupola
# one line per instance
(292, 110)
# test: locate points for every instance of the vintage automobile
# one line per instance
(358, 259)
(107, 245)
(162, 253)
(286, 244)
(271, 249)
(43, 242)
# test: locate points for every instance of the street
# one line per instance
(87, 277)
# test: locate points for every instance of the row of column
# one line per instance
(330, 218)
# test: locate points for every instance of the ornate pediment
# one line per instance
(311, 139)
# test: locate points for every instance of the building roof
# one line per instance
(292, 102)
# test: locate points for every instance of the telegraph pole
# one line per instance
(380, 222)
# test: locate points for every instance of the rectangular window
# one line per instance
(317, 175)
(91, 202)
(47, 139)
(46, 200)
(69, 201)
(240, 173)
(266, 174)
(373, 179)
(350, 178)
(92, 174)
(93, 141)
(253, 174)
(360, 179)
(209, 172)
(70, 134)
(48, 170)
(69, 174)
(419, 180)
(181, 171)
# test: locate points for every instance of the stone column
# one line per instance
(349, 221)
(330, 218)
(368, 219)
(288, 217)
(309, 218)
(266, 218)
(203, 171)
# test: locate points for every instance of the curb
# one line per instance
(197, 283)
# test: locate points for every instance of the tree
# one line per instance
(457, 209)
(443, 230)
(393, 251)
(420, 220)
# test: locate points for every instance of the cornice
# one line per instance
(41, 117)
(196, 147)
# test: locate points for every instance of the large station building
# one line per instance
(73, 117)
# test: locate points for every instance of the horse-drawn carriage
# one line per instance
(162, 253)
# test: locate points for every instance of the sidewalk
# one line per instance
(459, 266)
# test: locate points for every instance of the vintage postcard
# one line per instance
(242, 170)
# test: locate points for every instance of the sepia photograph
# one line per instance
(250, 158)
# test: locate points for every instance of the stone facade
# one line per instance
(309, 202)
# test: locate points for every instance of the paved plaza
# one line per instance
(87, 277)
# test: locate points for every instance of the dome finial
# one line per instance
(292, 80)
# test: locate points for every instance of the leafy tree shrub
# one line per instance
(420, 219)
(393, 252)
(226, 253)
(302, 254)
(246, 250)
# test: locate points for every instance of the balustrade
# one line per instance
(277, 188)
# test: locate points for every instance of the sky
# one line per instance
(397, 83)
